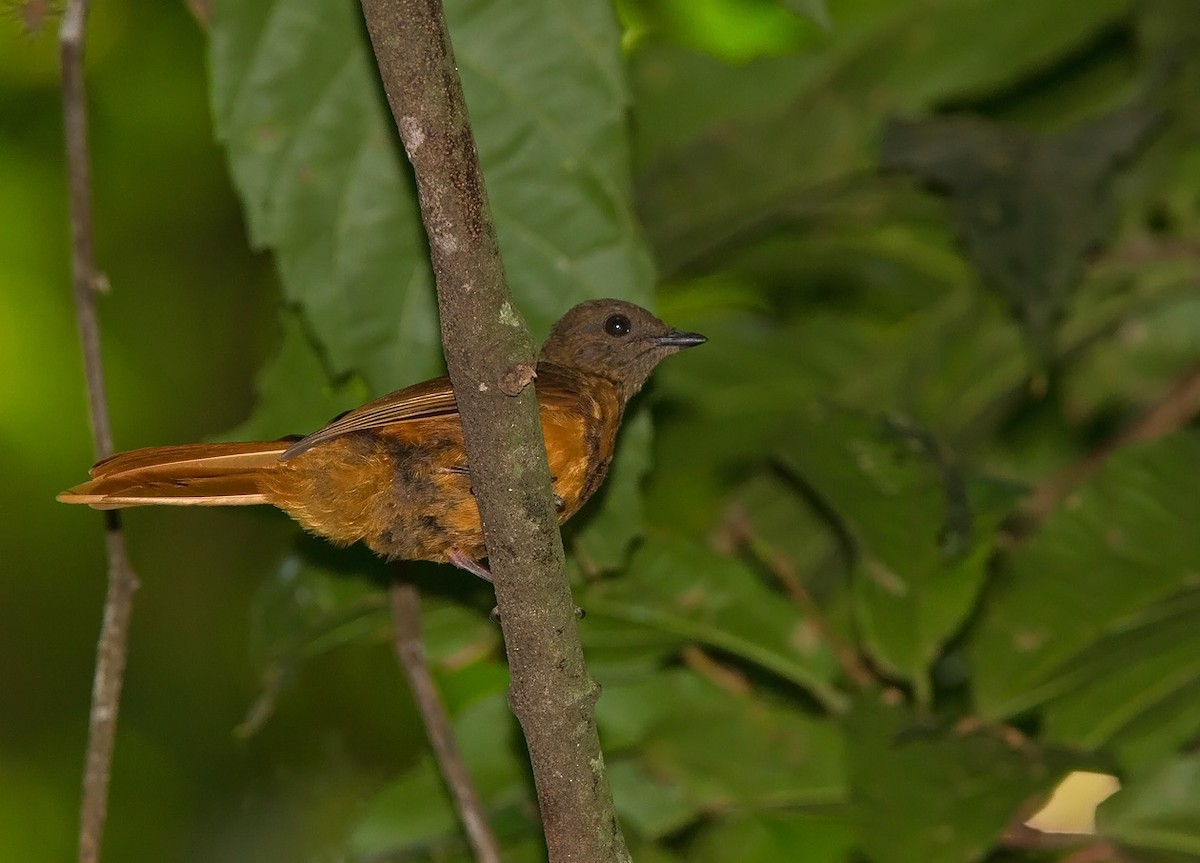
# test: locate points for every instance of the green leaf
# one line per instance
(634, 701)
(1029, 207)
(428, 814)
(318, 600)
(1159, 812)
(749, 752)
(415, 812)
(1153, 344)
(314, 156)
(920, 556)
(295, 103)
(816, 11)
(938, 795)
(787, 523)
(696, 596)
(294, 393)
(771, 837)
(1119, 545)
(722, 183)
(613, 519)
(1144, 675)
(616, 644)
(1160, 731)
(303, 610)
(645, 804)
(930, 345)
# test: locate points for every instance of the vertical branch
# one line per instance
(122, 582)
(490, 358)
(410, 652)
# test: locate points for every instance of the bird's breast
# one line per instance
(581, 435)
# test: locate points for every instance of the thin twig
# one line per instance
(112, 648)
(410, 652)
(1178, 406)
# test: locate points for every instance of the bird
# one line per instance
(393, 474)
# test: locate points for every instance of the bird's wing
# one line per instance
(429, 399)
(556, 387)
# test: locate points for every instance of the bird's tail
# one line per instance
(215, 474)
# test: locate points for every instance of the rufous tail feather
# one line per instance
(216, 474)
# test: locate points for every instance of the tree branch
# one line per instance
(490, 358)
(410, 652)
(112, 648)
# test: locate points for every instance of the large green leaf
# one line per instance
(1028, 207)
(320, 600)
(1154, 344)
(613, 519)
(944, 355)
(295, 386)
(1119, 545)
(895, 58)
(692, 595)
(1159, 812)
(295, 102)
(750, 752)
(920, 545)
(937, 794)
(1136, 689)
(303, 610)
(815, 10)
(773, 837)
(415, 813)
(314, 156)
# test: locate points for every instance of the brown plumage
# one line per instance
(393, 473)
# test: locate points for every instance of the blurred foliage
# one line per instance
(942, 249)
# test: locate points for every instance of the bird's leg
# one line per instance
(474, 567)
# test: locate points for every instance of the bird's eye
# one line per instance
(617, 325)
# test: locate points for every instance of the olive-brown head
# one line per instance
(614, 339)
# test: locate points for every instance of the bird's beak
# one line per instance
(676, 339)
